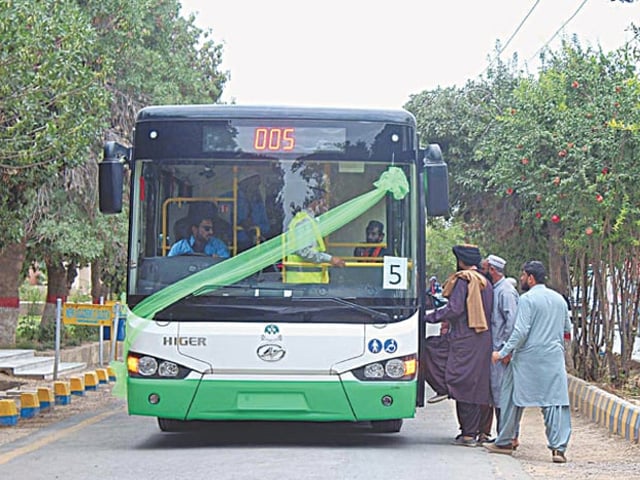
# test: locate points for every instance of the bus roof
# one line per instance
(213, 111)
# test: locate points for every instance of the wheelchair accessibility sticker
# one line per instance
(390, 346)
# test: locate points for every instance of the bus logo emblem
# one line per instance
(270, 352)
(271, 330)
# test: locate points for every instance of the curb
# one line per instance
(20, 404)
(619, 416)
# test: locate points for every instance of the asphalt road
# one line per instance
(108, 444)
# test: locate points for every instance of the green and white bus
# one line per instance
(241, 338)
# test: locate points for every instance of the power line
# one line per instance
(559, 30)
(512, 35)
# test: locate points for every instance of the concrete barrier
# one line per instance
(46, 398)
(8, 413)
(77, 385)
(103, 375)
(29, 405)
(618, 415)
(62, 392)
(91, 381)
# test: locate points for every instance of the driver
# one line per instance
(201, 240)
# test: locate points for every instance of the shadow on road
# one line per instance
(243, 434)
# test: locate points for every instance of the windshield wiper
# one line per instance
(375, 314)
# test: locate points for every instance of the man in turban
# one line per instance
(466, 367)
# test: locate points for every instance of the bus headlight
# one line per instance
(401, 368)
(374, 370)
(146, 366)
(394, 368)
(168, 369)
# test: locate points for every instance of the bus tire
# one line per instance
(386, 426)
(171, 425)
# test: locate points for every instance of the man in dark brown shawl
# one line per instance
(465, 369)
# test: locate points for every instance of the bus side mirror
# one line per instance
(436, 182)
(111, 177)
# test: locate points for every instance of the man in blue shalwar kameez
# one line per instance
(537, 375)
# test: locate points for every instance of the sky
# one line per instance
(367, 53)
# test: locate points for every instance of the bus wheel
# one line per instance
(172, 425)
(386, 426)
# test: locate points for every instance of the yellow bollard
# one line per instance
(45, 396)
(77, 386)
(103, 375)
(91, 381)
(8, 413)
(112, 374)
(62, 392)
(29, 405)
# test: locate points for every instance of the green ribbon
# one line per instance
(234, 269)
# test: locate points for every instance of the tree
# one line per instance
(168, 60)
(567, 149)
(553, 158)
(50, 73)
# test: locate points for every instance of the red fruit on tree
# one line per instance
(538, 215)
(525, 161)
(588, 230)
(562, 153)
(575, 84)
(538, 198)
(556, 181)
(605, 170)
(509, 191)
(599, 198)
(555, 218)
(570, 145)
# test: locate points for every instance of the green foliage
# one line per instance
(441, 236)
(29, 334)
(544, 167)
(49, 74)
(28, 329)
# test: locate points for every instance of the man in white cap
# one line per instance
(503, 318)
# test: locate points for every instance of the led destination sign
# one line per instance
(268, 139)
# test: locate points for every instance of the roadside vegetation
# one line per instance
(542, 164)
(545, 165)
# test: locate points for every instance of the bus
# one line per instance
(242, 335)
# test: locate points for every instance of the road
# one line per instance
(99, 440)
(112, 445)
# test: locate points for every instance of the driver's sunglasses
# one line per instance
(207, 228)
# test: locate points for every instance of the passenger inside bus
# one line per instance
(374, 235)
(252, 217)
(315, 252)
(202, 239)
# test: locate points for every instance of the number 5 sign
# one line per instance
(395, 273)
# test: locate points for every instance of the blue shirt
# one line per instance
(214, 246)
(250, 207)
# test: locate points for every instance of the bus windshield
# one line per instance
(242, 187)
